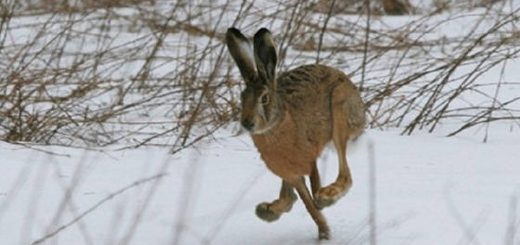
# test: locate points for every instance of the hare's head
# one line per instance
(261, 105)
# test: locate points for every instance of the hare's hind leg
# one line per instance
(317, 216)
(330, 194)
(272, 211)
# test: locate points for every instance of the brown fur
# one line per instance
(291, 119)
(291, 148)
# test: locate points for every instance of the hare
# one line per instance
(291, 117)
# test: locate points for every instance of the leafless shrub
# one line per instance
(378, 7)
(73, 6)
(443, 5)
(75, 81)
(434, 99)
(156, 73)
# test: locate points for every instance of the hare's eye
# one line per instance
(264, 99)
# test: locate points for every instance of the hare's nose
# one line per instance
(248, 124)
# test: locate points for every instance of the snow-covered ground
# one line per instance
(430, 190)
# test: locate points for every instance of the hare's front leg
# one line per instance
(310, 205)
(273, 210)
(315, 180)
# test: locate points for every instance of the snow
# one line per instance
(430, 190)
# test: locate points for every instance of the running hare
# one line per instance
(291, 117)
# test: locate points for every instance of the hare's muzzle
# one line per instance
(248, 124)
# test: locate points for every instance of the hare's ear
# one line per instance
(240, 50)
(265, 56)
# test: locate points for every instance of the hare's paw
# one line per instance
(324, 235)
(272, 211)
(265, 212)
(329, 195)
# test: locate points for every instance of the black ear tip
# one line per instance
(233, 31)
(262, 31)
